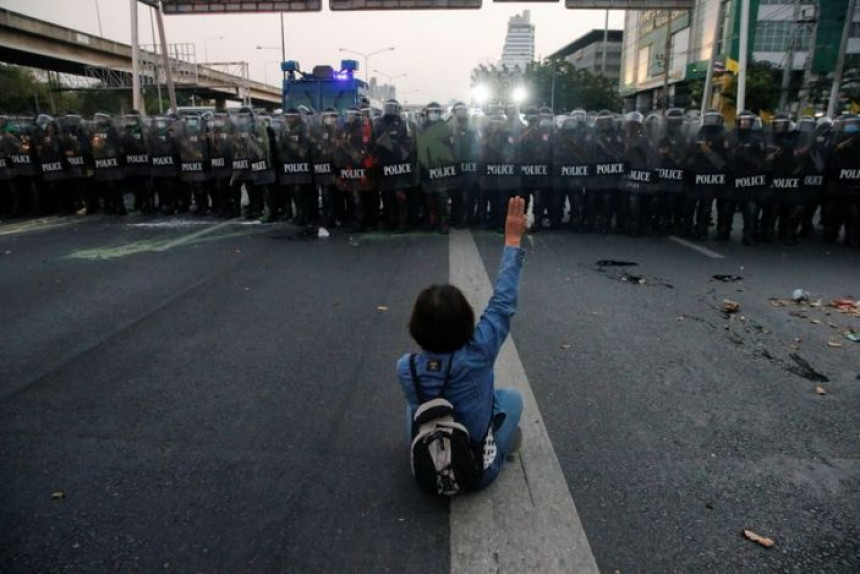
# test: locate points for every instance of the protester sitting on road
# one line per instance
(456, 359)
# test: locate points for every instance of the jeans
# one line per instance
(507, 409)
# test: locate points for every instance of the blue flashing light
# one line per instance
(290, 66)
(349, 65)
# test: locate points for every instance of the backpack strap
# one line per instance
(416, 381)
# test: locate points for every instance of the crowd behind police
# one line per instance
(364, 169)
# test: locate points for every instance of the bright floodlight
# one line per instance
(519, 94)
(481, 94)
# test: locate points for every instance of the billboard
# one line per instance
(233, 6)
(628, 4)
(336, 5)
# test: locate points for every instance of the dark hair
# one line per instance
(442, 319)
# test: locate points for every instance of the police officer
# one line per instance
(354, 165)
(535, 164)
(104, 142)
(220, 164)
(672, 147)
(638, 181)
(464, 200)
(439, 167)
(323, 153)
(164, 164)
(295, 177)
(52, 168)
(785, 172)
(571, 167)
(194, 159)
(133, 148)
(500, 160)
(750, 186)
(7, 190)
(393, 149)
(77, 157)
(811, 148)
(707, 175)
(843, 182)
(24, 161)
(607, 153)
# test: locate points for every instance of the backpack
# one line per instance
(444, 459)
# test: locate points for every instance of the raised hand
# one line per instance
(515, 224)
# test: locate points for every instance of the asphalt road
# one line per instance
(202, 396)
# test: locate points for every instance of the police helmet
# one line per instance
(745, 120)
(391, 108)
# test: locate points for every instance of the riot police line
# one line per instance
(586, 171)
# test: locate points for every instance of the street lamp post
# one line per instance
(366, 58)
(206, 45)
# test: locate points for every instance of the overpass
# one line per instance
(35, 43)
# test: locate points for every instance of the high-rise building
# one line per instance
(803, 35)
(519, 49)
(586, 53)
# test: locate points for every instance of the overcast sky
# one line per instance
(437, 49)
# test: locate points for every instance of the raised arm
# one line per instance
(495, 323)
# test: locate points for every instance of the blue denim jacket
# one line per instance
(471, 387)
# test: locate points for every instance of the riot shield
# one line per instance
(7, 146)
(193, 149)
(571, 154)
(76, 146)
(607, 153)
(393, 148)
(104, 142)
(323, 134)
(133, 146)
(49, 149)
(353, 163)
(294, 152)
(163, 151)
(536, 156)
(218, 129)
(500, 155)
(251, 150)
(438, 164)
(23, 149)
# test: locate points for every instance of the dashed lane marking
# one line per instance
(703, 250)
(526, 521)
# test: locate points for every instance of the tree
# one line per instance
(22, 91)
(764, 82)
(572, 88)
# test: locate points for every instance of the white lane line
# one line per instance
(526, 521)
(703, 250)
(37, 225)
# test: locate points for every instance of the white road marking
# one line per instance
(192, 236)
(526, 521)
(703, 250)
(40, 224)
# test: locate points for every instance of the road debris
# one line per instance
(727, 278)
(834, 344)
(58, 495)
(820, 390)
(851, 336)
(730, 306)
(800, 296)
(847, 305)
(323, 233)
(565, 346)
(766, 542)
(613, 263)
(382, 308)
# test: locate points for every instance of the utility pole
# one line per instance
(667, 53)
(742, 59)
(171, 89)
(136, 100)
(155, 61)
(840, 60)
(806, 87)
(715, 46)
(283, 45)
(605, 40)
(786, 71)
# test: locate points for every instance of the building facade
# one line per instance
(782, 32)
(519, 49)
(586, 53)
